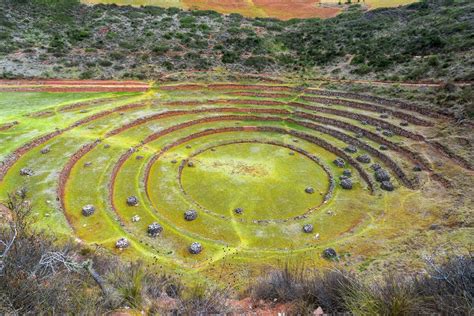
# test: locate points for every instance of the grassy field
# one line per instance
(250, 148)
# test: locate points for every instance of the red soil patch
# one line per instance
(4, 127)
(226, 86)
(302, 9)
(72, 86)
(281, 9)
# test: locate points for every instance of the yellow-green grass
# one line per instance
(256, 174)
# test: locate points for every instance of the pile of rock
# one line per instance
(309, 190)
(387, 186)
(190, 215)
(195, 248)
(351, 149)
(363, 159)
(308, 228)
(154, 229)
(26, 172)
(329, 253)
(346, 184)
(88, 210)
(122, 243)
(381, 175)
(132, 201)
(339, 162)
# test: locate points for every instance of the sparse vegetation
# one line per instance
(444, 288)
(41, 276)
(427, 40)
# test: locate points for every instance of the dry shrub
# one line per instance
(447, 288)
(204, 300)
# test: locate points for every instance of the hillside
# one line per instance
(430, 40)
(172, 161)
(280, 9)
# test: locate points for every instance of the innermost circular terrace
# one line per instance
(266, 181)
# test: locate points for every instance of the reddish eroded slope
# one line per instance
(281, 9)
(72, 86)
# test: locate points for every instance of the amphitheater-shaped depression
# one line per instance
(239, 169)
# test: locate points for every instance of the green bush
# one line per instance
(160, 49)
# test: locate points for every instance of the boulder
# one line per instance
(309, 190)
(174, 161)
(384, 116)
(106, 146)
(375, 167)
(45, 150)
(363, 159)
(135, 218)
(387, 133)
(383, 147)
(339, 162)
(88, 210)
(190, 215)
(190, 164)
(382, 175)
(122, 243)
(435, 227)
(347, 173)
(417, 168)
(132, 201)
(329, 253)
(404, 123)
(26, 172)
(239, 211)
(292, 153)
(195, 248)
(346, 184)
(308, 228)
(350, 149)
(154, 229)
(88, 164)
(387, 186)
(139, 157)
